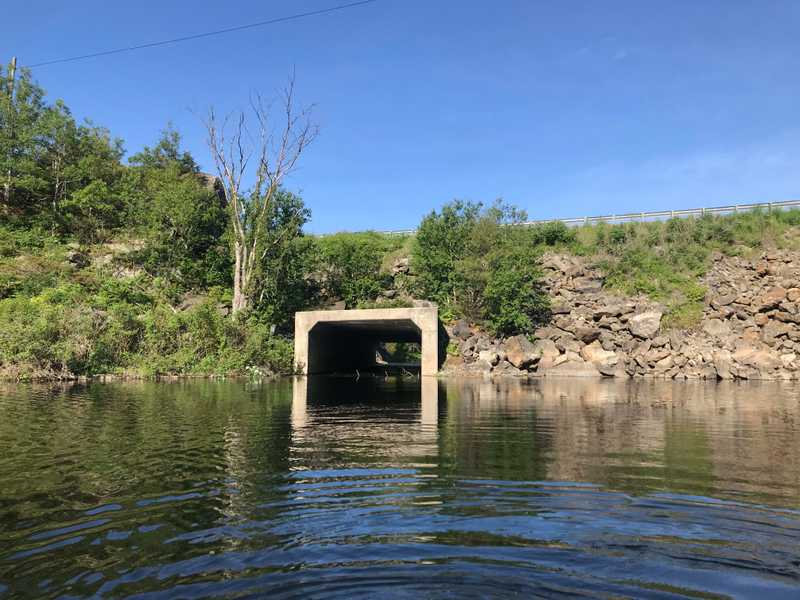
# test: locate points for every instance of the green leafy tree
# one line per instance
(351, 266)
(179, 214)
(479, 263)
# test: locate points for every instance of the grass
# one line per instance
(665, 260)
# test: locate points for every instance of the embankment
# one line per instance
(750, 328)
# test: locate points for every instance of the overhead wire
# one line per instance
(206, 34)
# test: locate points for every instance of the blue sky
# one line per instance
(562, 108)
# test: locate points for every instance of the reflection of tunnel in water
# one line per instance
(372, 393)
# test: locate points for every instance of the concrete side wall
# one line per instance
(323, 349)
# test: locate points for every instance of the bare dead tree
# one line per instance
(264, 154)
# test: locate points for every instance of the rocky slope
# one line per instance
(750, 328)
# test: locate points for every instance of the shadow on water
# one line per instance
(400, 487)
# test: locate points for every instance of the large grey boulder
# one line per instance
(645, 325)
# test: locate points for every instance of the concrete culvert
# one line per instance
(329, 341)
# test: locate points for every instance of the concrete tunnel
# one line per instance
(327, 341)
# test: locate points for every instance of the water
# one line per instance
(380, 489)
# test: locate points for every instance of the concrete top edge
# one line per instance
(366, 313)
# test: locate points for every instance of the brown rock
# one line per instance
(521, 352)
(771, 299)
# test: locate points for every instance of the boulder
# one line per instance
(716, 328)
(461, 329)
(603, 360)
(521, 352)
(548, 352)
(489, 356)
(586, 333)
(572, 365)
(645, 325)
(771, 299)
(723, 363)
(585, 285)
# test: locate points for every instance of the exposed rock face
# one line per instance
(750, 328)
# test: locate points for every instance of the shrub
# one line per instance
(478, 264)
(350, 264)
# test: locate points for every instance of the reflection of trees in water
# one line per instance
(493, 429)
(638, 436)
(186, 456)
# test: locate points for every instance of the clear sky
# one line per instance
(562, 108)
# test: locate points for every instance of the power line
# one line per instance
(204, 35)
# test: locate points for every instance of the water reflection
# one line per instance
(332, 487)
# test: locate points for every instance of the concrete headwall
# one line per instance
(345, 340)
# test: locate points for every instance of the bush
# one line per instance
(476, 263)
(350, 266)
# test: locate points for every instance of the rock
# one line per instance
(479, 367)
(585, 285)
(665, 364)
(759, 359)
(771, 299)
(645, 325)
(724, 299)
(389, 293)
(79, 259)
(461, 329)
(773, 330)
(506, 369)
(560, 309)
(489, 356)
(676, 340)
(452, 364)
(572, 365)
(793, 295)
(422, 303)
(401, 265)
(603, 360)
(521, 352)
(660, 341)
(723, 362)
(612, 310)
(568, 344)
(548, 352)
(716, 328)
(586, 333)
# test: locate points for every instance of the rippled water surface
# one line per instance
(335, 488)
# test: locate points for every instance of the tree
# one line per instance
(54, 171)
(180, 217)
(480, 264)
(265, 157)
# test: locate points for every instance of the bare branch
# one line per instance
(275, 150)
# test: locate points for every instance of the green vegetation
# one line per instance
(475, 263)
(112, 266)
(665, 260)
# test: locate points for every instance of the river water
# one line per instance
(441, 489)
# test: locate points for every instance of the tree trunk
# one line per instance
(240, 299)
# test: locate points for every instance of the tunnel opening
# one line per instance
(367, 340)
(358, 346)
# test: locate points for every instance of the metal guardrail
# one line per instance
(652, 215)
